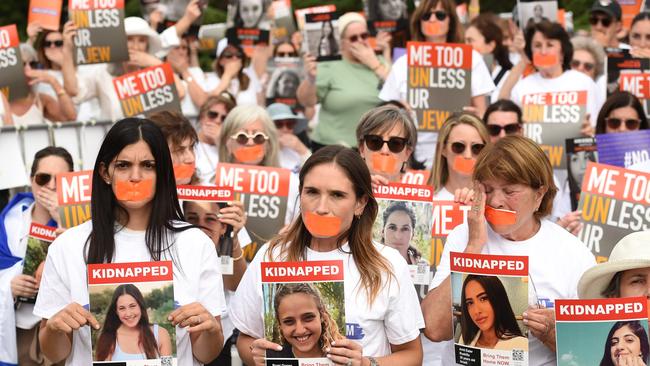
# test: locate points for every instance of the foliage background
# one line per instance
(159, 302)
(332, 293)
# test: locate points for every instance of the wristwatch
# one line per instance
(373, 361)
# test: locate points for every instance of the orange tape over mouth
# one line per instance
(134, 191)
(497, 216)
(322, 226)
(383, 163)
(540, 60)
(247, 154)
(432, 28)
(184, 171)
(464, 165)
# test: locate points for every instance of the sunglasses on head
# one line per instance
(242, 138)
(357, 37)
(285, 123)
(604, 20)
(285, 54)
(395, 144)
(459, 148)
(231, 54)
(587, 65)
(58, 43)
(630, 124)
(215, 115)
(42, 178)
(440, 15)
(510, 129)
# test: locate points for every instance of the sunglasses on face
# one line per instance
(214, 115)
(459, 148)
(58, 43)
(285, 123)
(588, 66)
(605, 21)
(357, 37)
(630, 124)
(242, 138)
(510, 129)
(395, 144)
(231, 54)
(42, 178)
(440, 15)
(32, 64)
(285, 54)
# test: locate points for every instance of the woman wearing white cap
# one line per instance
(145, 49)
(347, 88)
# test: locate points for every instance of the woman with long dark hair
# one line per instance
(136, 217)
(487, 319)
(627, 344)
(337, 213)
(126, 318)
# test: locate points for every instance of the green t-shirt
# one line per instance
(346, 91)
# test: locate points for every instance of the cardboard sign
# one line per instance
(302, 13)
(532, 12)
(446, 216)
(285, 282)
(614, 202)
(628, 73)
(550, 118)
(584, 329)
(321, 36)
(286, 73)
(579, 151)
(38, 243)
(147, 91)
(417, 177)
(47, 13)
(388, 16)
(624, 149)
(439, 81)
(13, 85)
(204, 193)
(100, 34)
(42, 232)
(73, 194)
(630, 9)
(264, 192)
(282, 19)
(150, 290)
(499, 278)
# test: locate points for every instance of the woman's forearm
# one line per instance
(407, 354)
(244, 343)
(207, 345)
(306, 93)
(436, 308)
(197, 94)
(55, 346)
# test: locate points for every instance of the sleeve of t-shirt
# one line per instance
(391, 89)
(54, 292)
(582, 261)
(210, 281)
(516, 92)
(456, 242)
(482, 83)
(323, 80)
(246, 305)
(86, 87)
(293, 205)
(404, 318)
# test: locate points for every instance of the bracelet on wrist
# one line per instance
(240, 256)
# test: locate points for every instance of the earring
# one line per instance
(358, 217)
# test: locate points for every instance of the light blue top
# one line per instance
(120, 355)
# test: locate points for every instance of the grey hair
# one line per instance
(237, 120)
(382, 119)
(596, 50)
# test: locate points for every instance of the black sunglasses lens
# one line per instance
(512, 128)
(426, 16)
(632, 124)
(396, 145)
(441, 15)
(458, 147)
(494, 130)
(476, 148)
(212, 115)
(614, 123)
(242, 139)
(259, 139)
(42, 178)
(374, 142)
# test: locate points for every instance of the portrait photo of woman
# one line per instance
(127, 333)
(627, 344)
(327, 45)
(398, 229)
(250, 13)
(306, 327)
(487, 319)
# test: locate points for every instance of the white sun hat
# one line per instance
(631, 252)
(136, 26)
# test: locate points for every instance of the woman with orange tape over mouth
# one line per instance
(136, 217)
(514, 191)
(387, 137)
(460, 140)
(181, 139)
(337, 213)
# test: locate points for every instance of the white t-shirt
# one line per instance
(570, 80)
(290, 159)
(244, 97)
(87, 110)
(393, 318)
(197, 278)
(557, 260)
(395, 89)
(495, 93)
(207, 158)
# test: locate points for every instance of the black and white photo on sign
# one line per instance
(321, 38)
(532, 12)
(249, 14)
(380, 10)
(283, 83)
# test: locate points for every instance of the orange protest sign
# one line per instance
(47, 13)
